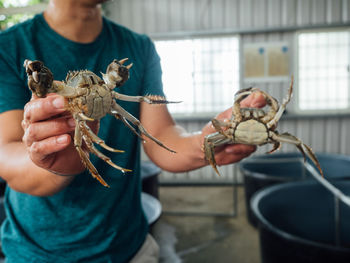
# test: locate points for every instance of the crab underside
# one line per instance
(254, 127)
(90, 98)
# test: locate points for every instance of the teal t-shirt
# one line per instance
(85, 222)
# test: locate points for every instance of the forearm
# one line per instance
(188, 147)
(22, 175)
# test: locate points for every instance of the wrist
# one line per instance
(199, 146)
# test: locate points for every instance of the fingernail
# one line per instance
(71, 122)
(58, 103)
(62, 139)
(230, 150)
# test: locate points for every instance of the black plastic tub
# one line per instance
(266, 170)
(296, 223)
(149, 178)
(2, 187)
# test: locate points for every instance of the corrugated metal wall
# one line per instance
(160, 18)
(164, 16)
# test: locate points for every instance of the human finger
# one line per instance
(254, 100)
(226, 114)
(223, 116)
(240, 149)
(43, 108)
(38, 131)
(233, 153)
(40, 150)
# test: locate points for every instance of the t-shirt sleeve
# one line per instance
(152, 78)
(13, 92)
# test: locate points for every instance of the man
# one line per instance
(55, 211)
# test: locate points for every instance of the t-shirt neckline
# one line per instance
(67, 42)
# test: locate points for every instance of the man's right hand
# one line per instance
(48, 130)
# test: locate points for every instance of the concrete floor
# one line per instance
(192, 239)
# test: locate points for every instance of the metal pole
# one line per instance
(235, 195)
(274, 160)
(338, 195)
(337, 221)
(336, 192)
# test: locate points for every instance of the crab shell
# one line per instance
(95, 97)
(251, 131)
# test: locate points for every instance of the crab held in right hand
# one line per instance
(90, 98)
(253, 126)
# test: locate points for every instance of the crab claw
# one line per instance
(35, 76)
(26, 63)
(123, 61)
(117, 74)
(40, 78)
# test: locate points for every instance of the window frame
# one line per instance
(316, 112)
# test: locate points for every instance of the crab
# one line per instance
(90, 98)
(254, 126)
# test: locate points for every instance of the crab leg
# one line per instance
(85, 157)
(97, 139)
(282, 107)
(82, 121)
(148, 99)
(236, 109)
(126, 123)
(303, 148)
(92, 148)
(137, 123)
(271, 101)
(276, 146)
(84, 117)
(218, 124)
(210, 142)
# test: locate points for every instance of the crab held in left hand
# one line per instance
(254, 127)
(90, 98)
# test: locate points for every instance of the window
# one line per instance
(323, 71)
(16, 11)
(203, 73)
